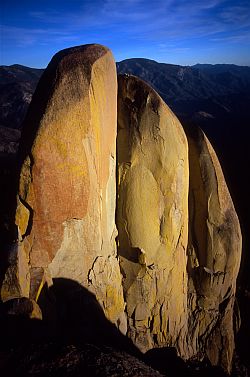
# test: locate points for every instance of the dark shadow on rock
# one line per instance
(17, 329)
(8, 190)
(71, 316)
(243, 336)
(77, 317)
(86, 360)
(167, 362)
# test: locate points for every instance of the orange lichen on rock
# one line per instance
(67, 178)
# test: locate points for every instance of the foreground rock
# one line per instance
(86, 360)
(152, 216)
(66, 197)
(214, 252)
(21, 307)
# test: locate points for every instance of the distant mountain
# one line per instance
(17, 85)
(197, 92)
(201, 93)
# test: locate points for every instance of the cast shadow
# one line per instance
(8, 229)
(167, 362)
(77, 317)
(71, 315)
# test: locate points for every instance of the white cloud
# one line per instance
(136, 20)
(27, 37)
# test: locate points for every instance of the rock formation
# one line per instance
(164, 306)
(152, 216)
(214, 252)
(66, 199)
(170, 281)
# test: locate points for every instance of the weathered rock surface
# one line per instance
(67, 191)
(214, 252)
(16, 282)
(179, 292)
(152, 216)
(173, 281)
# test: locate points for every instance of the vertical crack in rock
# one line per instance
(24, 218)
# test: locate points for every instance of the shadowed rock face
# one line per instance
(214, 252)
(66, 198)
(152, 216)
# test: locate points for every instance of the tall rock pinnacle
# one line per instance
(67, 193)
(214, 253)
(152, 216)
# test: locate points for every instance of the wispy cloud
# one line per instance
(27, 37)
(51, 16)
(145, 19)
(134, 24)
(237, 15)
(233, 38)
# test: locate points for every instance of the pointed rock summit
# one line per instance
(214, 253)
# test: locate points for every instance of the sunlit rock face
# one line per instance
(67, 188)
(214, 251)
(16, 281)
(152, 216)
(179, 289)
(171, 279)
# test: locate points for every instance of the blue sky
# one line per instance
(172, 31)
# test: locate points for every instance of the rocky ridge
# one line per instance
(170, 282)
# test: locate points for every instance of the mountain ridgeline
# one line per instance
(202, 92)
(17, 85)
